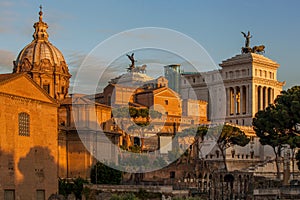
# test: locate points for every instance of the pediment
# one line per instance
(167, 93)
(22, 86)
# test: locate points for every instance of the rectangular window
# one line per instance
(47, 88)
(172, 174)
(24, 124)
(166, 102)
(9, 194)
(62, 89)
(40, 195)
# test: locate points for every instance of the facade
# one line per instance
(28, 161)
(135, 89)
(84, 127)
(250, 84)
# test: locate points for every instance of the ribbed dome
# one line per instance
(38, 50)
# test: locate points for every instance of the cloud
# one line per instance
(93, 65)
(6, 61)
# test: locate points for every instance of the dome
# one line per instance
(44, 63)
(37, 51)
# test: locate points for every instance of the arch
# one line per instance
(228, 178)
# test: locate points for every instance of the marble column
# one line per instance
(234, 101)
(228, 101)
(266, 97)
(261, 98)
(241, 100)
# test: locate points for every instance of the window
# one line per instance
(172, 174)
(40, 194)
(166, 102)
(136, 141)
(24, 124)
(194, 80)
(9, 194)
(62, 89)
(47, 88)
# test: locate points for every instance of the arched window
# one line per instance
(24, 124)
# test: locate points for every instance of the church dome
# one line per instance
(44, 63)
(39, 50)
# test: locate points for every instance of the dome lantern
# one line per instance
(40, 28)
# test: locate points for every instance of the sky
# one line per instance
(78, 27)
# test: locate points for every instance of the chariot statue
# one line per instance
(133, 68)
(247, 49)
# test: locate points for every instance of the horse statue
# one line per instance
(259, 49)
(140, 69)
(246, 50)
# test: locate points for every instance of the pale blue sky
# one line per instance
(76, 27)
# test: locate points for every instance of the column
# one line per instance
(234, 101)
(228, 101)
(241, 100)
(266, 97)
(231, 100)
(261, 98)
(256, 99)
(247, 99)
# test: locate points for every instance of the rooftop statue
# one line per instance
(247, 49)
(247, 41)
(131, 58)
(133, 68)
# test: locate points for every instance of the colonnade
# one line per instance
(237, 100)
(264, 96)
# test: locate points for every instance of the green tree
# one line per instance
(102, 174)
(74, 186)
(278, 124)
(227, 136)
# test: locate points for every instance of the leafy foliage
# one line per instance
(278, 123)
(124, 112)
(102, 174)
(227, 136)
(68, 187)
